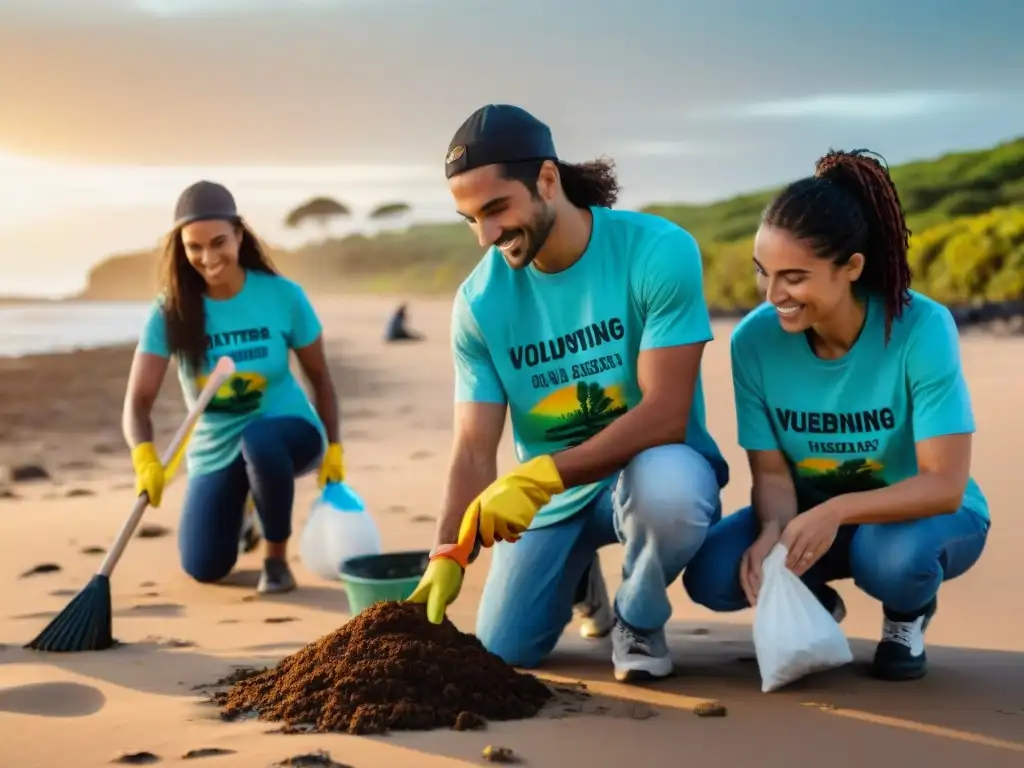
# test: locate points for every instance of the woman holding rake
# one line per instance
(221, 296)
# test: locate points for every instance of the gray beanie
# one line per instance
(203, 201)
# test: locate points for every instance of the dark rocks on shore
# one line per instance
(29, 472)
(41, 568)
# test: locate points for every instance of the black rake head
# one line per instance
(86, 624)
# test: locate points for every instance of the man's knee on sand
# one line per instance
(671, 492)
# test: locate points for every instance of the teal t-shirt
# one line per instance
(256, 328)
(561, 349)
(851, 424)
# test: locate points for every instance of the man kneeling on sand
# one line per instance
(589, 324)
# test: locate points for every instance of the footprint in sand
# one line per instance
(192, 754)
(35, 615)
(52, 699)
(41, 568)
(144, 584)
(423, 519)
(76, 493)
(152, 531)
(92, 551)
(279, 619)
(228, 621)
(319, 759)
(169, 642)
(137, 758)
(397, 509)
(162, 610)
(417, 455)
(63, 593)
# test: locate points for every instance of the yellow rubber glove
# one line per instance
(508, 505)
(332, 468)
(440, 585)
(149, 473)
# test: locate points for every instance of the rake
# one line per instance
(86, 623)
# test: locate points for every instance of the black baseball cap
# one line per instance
(203, 201)
(498, 133)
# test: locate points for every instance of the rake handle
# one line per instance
(220, 373)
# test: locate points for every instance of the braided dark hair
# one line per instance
(850, 205)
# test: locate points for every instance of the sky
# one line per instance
(111, 107)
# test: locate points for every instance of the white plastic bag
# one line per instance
(339, 527)
(794, 635)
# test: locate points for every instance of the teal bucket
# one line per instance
(369, 579)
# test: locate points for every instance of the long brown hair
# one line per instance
(850, 205)
(183, 289)
(593, 183)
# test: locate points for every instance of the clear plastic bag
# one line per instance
(339, 527)
(794, 635)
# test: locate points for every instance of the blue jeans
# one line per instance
(275, 450)
(902, 565)
(659, 507)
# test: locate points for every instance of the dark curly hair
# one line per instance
(850, 205)
(585, 184)
(183, 288)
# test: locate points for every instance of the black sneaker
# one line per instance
(901, 655)
(276, 578)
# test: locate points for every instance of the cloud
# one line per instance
(894, 105)
(179, 8)
(659, 148)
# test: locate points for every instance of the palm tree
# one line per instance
(321, 210)
(390, 211)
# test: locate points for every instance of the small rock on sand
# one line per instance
(318, 759)
(41, 568)
(279, 619)
(7, 493)
(710, 709)
(500, 755)
(93, 550)
(152, 531)
(28, 472)
(192, 754)
(137, 758)
(75, 493)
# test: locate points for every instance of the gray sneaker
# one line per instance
(639, 656)
(276, 578)
(594, 608)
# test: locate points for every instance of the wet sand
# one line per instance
(62, 413)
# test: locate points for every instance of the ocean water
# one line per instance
(35, 328)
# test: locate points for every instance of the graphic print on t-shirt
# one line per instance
(243, 392)
(574, 414)
(839, 452)
(568, 374)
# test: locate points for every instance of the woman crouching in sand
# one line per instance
(221, 296)
(852, 405)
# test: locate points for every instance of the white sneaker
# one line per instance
(638, 656)
(595, 609)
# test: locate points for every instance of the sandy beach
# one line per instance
(61, 413)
